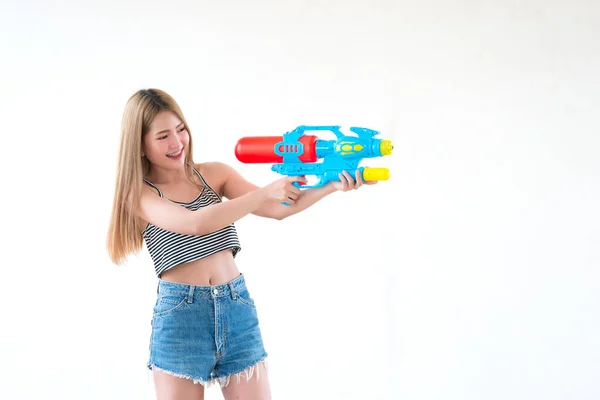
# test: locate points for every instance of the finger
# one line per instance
(293, 186)
(344, 182)
(359, 180)
(344, 177)
(295, 191)
(286, 195)
(351, 182)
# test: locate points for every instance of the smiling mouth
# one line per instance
(177, 154)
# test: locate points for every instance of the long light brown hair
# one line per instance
(124, 236)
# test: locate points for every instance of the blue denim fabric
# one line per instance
(205, 333)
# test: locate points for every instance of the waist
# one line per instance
(181, 289)
(215, 269)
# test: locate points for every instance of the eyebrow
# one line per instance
(166, 130)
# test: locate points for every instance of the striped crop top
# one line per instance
(169, 249)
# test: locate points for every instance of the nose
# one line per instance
(174, 142)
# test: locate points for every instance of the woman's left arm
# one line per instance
(235, 185)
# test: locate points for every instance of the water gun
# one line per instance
(296, 154)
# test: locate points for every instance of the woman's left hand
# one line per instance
(347, 183)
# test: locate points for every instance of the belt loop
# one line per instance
(190, 298)
(233, 293)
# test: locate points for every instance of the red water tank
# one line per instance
(259, 149)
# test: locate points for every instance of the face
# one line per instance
(166, 143)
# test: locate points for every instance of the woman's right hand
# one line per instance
(283, 190)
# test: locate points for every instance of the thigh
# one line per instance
(254, 388)
(169, 387)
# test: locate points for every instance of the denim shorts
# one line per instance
(206, 333)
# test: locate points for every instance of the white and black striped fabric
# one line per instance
(169, 249)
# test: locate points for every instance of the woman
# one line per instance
(204, 326)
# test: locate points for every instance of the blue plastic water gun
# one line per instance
(296, 154)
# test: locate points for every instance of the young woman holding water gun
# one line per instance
(205, 325)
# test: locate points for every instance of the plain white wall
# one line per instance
(472, 274)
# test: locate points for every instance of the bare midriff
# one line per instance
(215, 269)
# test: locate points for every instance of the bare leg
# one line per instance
(254, 388)
(169, 387)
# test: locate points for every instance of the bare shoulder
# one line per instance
(231, 184)
(215, 173)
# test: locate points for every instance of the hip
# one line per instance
(181, 305)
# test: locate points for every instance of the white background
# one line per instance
(472, 274)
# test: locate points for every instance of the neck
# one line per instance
(164, 176)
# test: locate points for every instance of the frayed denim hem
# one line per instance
(223, 381)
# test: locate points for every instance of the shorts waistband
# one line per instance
(225, 289)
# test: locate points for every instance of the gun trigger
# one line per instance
(302, 183)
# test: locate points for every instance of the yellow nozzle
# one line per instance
(386, 147)
(376, 174)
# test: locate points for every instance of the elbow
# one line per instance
(279, 216)
(278, 213)
(202, 229)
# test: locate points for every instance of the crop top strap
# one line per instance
(151, 184)
(204, 182)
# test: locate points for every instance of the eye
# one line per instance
(182, 129)
(162, 137)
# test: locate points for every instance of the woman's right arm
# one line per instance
(175, 218)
